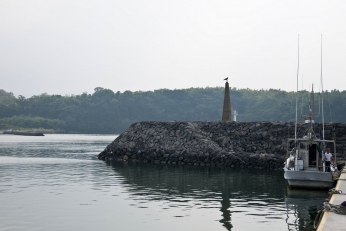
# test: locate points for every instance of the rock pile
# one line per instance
(259, 145)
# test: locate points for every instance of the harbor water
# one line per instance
(55, 182)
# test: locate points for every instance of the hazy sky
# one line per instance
(72, 46)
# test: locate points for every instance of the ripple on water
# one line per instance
(6, 160)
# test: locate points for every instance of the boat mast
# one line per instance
(295, 129)
(311, 133)
(322, 93)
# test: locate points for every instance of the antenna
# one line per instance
(295, 128)
(322, 93)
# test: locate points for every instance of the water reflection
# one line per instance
(55, 181)
(304, 205)
(243, 198)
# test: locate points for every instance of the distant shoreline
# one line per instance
(23, 133)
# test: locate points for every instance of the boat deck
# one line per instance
(332, 221)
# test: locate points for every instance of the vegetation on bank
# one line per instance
(110, 112)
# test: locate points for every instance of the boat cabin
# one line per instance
(308, 154)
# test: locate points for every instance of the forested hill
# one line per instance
(105, 111)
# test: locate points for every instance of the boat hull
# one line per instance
(309, 179)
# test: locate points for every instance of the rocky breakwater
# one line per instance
(259, 145)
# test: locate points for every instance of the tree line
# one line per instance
(108, 112)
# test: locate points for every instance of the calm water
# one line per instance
(55, 182)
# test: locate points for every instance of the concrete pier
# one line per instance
(332, 221)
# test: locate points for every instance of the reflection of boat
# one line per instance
(302, 207)
(305, 166)
(305, 196)
(22, 133)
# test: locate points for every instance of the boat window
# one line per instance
(302, 146)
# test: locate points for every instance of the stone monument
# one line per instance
(226, 112)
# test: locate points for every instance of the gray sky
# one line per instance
(72, 46)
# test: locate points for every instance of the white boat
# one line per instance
(305, 165)
(305, 168)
